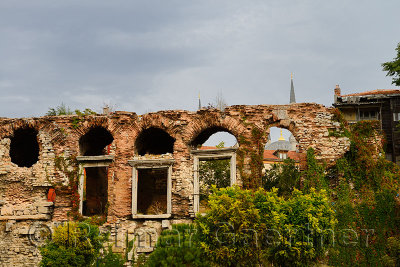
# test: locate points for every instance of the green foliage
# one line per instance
(392, 258)
(314, 175)
(283, 176)
(111, 259)
(307, 229)
(64, 110)
(54, 256)
(213, 172)
(59, 110)
(73, 244)
(245, 227)
(393, 67)
(177, 247)
(225, 232)
(367, 202)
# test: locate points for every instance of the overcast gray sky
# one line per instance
(148, 55)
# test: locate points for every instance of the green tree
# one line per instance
(283, 176)
(393, 67)
(314, 175)
(213, 172)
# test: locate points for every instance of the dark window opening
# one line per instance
(95, 141)
(152, 191)
(369, 114)
(95, 187)
(24, 147)
(154, 141)
(212, 172)
(206, 134)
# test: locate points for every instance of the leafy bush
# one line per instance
(73, 244)
(245, 227)
(111, 259)
(314, 175)
(307, 229)
(283, 176)
(177, 247)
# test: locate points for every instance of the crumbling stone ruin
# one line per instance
(139, 172)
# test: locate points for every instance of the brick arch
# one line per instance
(88, 123)
(211, 120)
(157, 121)
(8, 129)
(291, 127)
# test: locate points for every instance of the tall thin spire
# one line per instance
(292, 95)
(199, 102)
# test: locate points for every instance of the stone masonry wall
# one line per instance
(23, 191)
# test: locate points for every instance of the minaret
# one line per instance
(199, 102)
(292, 95)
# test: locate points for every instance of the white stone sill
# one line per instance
(151, 216)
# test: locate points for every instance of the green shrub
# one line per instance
(111, 259)
(307, 229)
(283, 176)
(246, 227)
(314, 175)
(177, 247)
(73, 244)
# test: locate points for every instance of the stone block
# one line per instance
(165, 224)
(45, 204)
(7, 210)
(24, 231)
(9, 226)
(43, 210)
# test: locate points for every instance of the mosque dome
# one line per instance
(282, 144)
(279, 145)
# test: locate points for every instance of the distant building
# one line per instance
(382, 105)
(277, 152)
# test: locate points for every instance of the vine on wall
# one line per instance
(69, 166)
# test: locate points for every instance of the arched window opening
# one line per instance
(94, 148)
(213, 136)
(154, 141)
(215, 163)
(95, 142)
(281, 161)
(24, 147)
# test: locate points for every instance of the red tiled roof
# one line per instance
(268, 154)
(376, 92)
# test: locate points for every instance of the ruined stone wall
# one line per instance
(23, 190)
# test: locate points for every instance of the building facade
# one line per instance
(138, 172)
(382, 105)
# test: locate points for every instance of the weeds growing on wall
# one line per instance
(367, 201)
